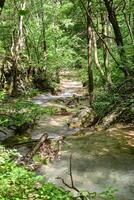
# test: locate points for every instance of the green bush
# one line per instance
(17, 183)
(21, 113)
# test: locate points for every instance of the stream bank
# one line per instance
(100, 158)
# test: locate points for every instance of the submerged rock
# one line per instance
(79, 132)
(86, 117)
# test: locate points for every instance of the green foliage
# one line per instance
(108, 194)
(21, 113)
(3, 96)
(23, 12)
(31, 93)
(17, 183)
(103, 100)
(18, 112)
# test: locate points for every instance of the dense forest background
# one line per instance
(40, 40)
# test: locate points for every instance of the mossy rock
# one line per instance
(84, 118)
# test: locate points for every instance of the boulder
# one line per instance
(84, 118)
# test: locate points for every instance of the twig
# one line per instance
(72, 186)
(70, 170)
(23, 143)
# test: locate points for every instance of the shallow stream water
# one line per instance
(100, 159)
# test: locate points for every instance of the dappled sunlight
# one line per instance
(98, 157)
(125, 136)
(67, 99)
(92, 173)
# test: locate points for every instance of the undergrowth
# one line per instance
(119, 99)
(21, 113)
(18, 183)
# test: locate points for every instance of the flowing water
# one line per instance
(99, 159)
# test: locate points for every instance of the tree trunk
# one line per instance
(105, 32)
(17, 45)
(89, 43)
(118, 36)
(43, 31)
(31, 153)
(2, 3)
(128, 20)
(97, 63)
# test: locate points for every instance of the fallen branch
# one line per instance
(72, 186)
(24, 143)
(31, 153)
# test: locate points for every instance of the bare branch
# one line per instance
(106, 36)
(119, 4)
(72, 186)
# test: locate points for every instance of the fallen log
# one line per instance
(26, 158)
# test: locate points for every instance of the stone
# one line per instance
(84, 118)
(79, 132)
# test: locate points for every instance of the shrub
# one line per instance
(17, 183)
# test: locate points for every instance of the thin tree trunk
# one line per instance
(118, 36)
(98, 65)
(105, 32)
(127, 20)
(2, 3)
(17, 45)
(90, 49)
(43, 31)
(55, 24)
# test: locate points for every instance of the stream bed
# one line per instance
(99, 159)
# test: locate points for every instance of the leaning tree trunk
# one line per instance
(96, 59)
(118, 36)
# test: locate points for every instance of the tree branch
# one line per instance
(72, 186)
(98, 33)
